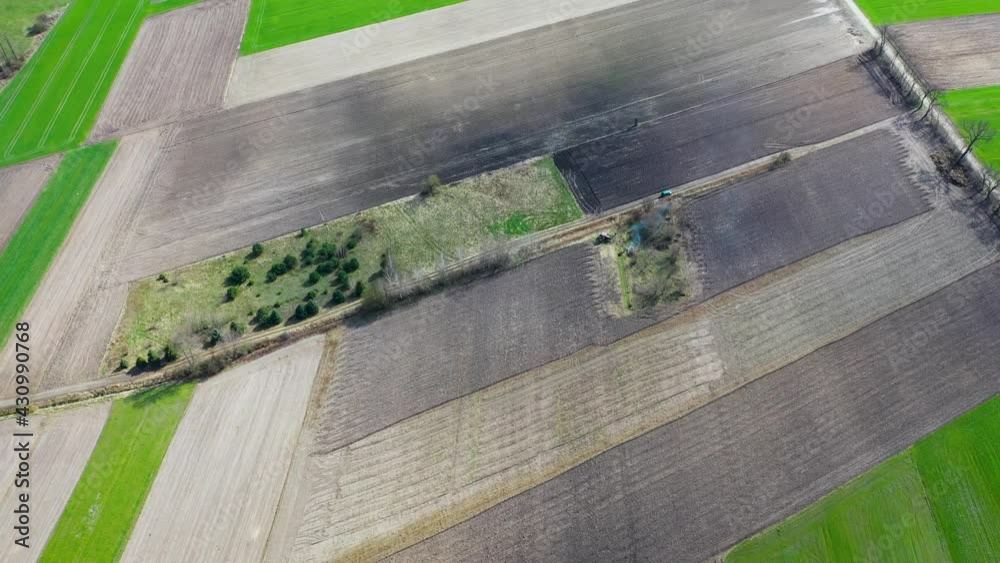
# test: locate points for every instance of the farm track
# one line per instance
(953, 53)
(60, 448)
(693, 488)
(19, 186)
(434, 470)
(177, 68)
(237, 436)
(265, 169)
(74, 311)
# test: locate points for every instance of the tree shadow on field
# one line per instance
(154, 395)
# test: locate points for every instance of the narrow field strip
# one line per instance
(98, 519)
(53, 102)
(936, 501)
(899, 11)
(977, 104)
(37, 241)
(275, 23)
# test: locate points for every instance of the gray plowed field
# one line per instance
(269, 168)
(695, 487)
(177, 68)
(953, 53)
(754, 227)
(19, 186)
(457, 342)
(807, 108)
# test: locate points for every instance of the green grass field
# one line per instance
(98, 518)
(37, 241)
(899, 11)
(17, 15)
(275, 23)
(53, 102)
(419, 234)
(936, 501)
(976, 104)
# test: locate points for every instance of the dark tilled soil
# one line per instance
(457, 342)
(691, 489)
(813, 203)
(808, 108)
(953, 53)
(269, 168)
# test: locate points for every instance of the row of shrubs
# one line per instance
(153, 360)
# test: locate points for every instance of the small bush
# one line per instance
(277, 269)
(338, 297)
(328, 267)
(359, 288)
(311, 308)
(215, 337)
(314, 278)
(431, 185)
(153, 359)
(779, 161)
(376, 298)
(123, 364)
(351, 265)
(237, 328)
(162, 278)
(325, 252)
(311, 295)
(300, 313)
(341, 279)
(255, 251)
(290, 262)
(141, 363)
(238, 275)
(273, 318)
(232, 293)
(260, 316)
(351, 243)
(169, 354)
(302, 233)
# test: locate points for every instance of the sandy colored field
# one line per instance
(953, 53)
(19, 186)
(176, 69)
(340, 55)
(75, 309)
(689, 490)
(218, 488)
(59, 451)
(264, 169)
(435, 469)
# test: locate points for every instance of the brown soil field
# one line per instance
(60, 449)
(177, 67)
(74, 311)
(444, 465)
(217, 489)
(19, 186)
(815, 202)
(457, 342)
(953, 53)
(264, 169)
(691, 489)
(666, 152)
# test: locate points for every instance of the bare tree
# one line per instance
(883, 36)
(931, 98)
(974, 131)
(991, 181)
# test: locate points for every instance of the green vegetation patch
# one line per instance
(18, 16)
(275, 23)
(936, 501)
(977, 104)
(53, 102)
(650, 261)
(33, 247)
(899, 11)
(99, 516)
(285, 280)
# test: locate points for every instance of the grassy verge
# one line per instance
(936, 501)
(977, 104)
(98, 518)
(899, 11)
(53, 102)
(33, 247)
(199, 305)
(16, 16)
(649, 259)
(275, 23)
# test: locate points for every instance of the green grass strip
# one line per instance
(17, 15)
(37, 241)
(96, 523)
(937, 501)
(899, 11)
(275, 23)
(977, 104)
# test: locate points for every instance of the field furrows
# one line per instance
(689, 490)
(59, 451)
(231, 452)
(666, 152)
(19, 186)
(265, 169)
(437, 468)
(823, 199)
(81, 297)
(953, 53)
(457, 342)
(177, 68)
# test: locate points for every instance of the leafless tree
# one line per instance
(974, 131)
(991, 181)
(883, 36)
(931, 98)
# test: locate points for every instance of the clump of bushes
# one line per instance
(780, 161)
(238, 276)
(255, 251)
(309, 309)
(232, 293)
